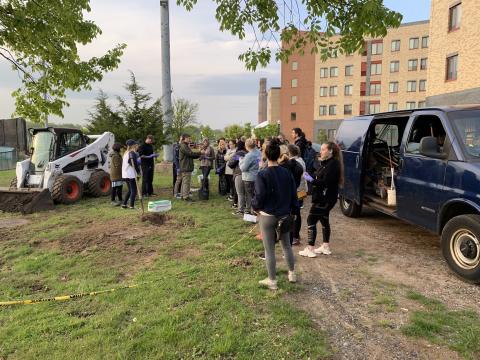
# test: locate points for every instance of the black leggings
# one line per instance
(319, 212)
(117, 193)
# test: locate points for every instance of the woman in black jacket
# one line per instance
(220, 167)
(325, 184)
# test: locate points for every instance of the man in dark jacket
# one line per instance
(299, 139)
(186, 156)
(148, 164)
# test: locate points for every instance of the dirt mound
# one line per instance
(241, 262)
(11, 223)
(155, 219)
(25, 202)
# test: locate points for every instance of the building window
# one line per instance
(422, 85)
(363, 89)
(423, 64)
(294, 65)
(348, 89)
(347, 109)
(394, 87)
(334, 90)
(373, 108)
(413, 43)
(333, 71)
(421, 104)
(293, 116)
(393, 106)
(349, 70)
(411, 86)
(323, 91)
(323, 72)
(425, 41)
(294, 100)
(331, 134)
(294, 83)
(322, 110)
(377, 48)
(395, 45)
(452, 64)
(375, 89)
(454, 14)
(394, 66)
(332, 110)
(410, 105)
(412, 64)
(375, 69)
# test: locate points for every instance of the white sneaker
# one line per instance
(307, 253)
(323, 249)
(292, 277)
(271, 284)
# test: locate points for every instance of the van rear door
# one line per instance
(351, 139)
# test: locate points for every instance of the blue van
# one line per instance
(421, 166)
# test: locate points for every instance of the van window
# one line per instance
(425, 125)
(387, 133)
(467, 126)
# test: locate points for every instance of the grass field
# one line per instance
(199, 298)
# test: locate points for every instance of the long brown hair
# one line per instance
(337, 154)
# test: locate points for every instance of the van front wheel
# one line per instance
(350, 208)
(461, 246)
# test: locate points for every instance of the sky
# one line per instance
(204, 61)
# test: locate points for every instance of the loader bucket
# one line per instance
(26, 201)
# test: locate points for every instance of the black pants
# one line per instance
(222, 185)
(174, 177)
(205, 173)
(131, 193)
(297, 225)
(147, 180)
(319, 212)
(230, 185)
(116, 193)
(249, 194)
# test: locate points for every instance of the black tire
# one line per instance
(350, 208)
(67, 189)
(461, 246)
(99, 184)
(13, 183)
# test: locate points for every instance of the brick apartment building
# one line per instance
(419, 63)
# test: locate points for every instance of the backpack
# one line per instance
(310, 156)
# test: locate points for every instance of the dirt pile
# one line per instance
(155, 219)
(25, 202)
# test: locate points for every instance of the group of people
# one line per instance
(137, 161)
(269, 180)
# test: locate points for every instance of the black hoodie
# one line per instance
(325, 182)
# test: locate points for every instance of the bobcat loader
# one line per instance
(62, 167)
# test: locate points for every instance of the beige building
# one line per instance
(453, 75)
(273, 105)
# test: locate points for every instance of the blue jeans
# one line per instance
(131, 193)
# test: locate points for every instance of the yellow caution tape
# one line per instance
(63, 297)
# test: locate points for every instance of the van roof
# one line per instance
(445, 108)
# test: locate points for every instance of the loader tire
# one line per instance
(13, 183)
(99, 184)
(67, 189)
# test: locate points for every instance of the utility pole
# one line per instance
(166, 99)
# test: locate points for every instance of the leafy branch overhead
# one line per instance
(40, 39)
(300, 25)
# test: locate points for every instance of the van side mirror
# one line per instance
(430, 148)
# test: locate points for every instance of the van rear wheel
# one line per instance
(461, 246)
(350, 208)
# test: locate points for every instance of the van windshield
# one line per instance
(467, 125)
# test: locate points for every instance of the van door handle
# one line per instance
(400, 164)
(356, 161)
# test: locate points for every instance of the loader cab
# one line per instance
(49, 144)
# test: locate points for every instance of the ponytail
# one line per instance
(337, 154)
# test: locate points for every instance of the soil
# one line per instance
(377, 257)
(155, 219)
(25, 202)
(11, 223)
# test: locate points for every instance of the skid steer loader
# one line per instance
(64, 164)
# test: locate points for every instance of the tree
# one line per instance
(40, 39)
(184, 114)
(135, 118)
(310, 24)
(268, 131)
(247, 130)
(103, 118)
(234, 131)
(207, 132)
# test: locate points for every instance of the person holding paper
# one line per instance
(325, 183)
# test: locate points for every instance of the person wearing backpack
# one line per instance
(275, 201)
